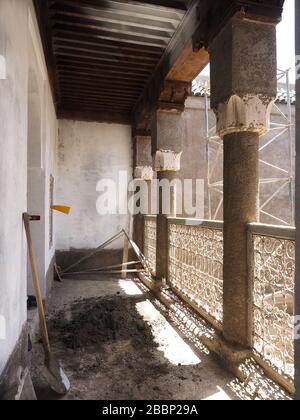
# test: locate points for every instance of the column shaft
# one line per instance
(243, 83)
(241, 187)
(162, 253)
(167, 142)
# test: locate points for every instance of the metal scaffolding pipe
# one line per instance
(215, 144)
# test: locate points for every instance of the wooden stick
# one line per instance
(36, 285)
(125, 257)
(139, 254)
(126, 246)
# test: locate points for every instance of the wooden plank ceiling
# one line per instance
(102, 53)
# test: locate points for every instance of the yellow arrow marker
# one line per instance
(62, 209)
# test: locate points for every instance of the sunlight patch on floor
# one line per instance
(170, 343)
(130, 288)
(218, 396)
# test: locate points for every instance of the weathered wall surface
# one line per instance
(21, 48)
(88, 153)
(194, 159)
(186, 133)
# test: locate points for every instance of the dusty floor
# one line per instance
(114, 343)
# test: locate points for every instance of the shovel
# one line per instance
(53, 372)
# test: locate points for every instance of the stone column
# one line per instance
(143, 172)
(167, 139)
(297, 292)
(166, 164)
(243, 84)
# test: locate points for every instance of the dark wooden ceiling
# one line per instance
(109, 59)
(102, 53)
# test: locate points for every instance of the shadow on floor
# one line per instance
(114, 344)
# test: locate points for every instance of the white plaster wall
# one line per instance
(50, 156)
(13, 159)
(16, 47)
(87, 153)
(44, 162)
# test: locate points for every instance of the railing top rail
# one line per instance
(209, 224)
(280, 232)
(150, 217)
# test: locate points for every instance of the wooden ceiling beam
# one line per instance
(171, 4)
(98, 89)
(92, 39)
(98, 102)
(133, 8)
(187, 55)
(116, 93)
(106, 96)
(88, 81)
(87, 71)
(96, 106)
(178, 5)
(77, 59)
(136, 39)
(105, 51)
(81, 105)
(106, 19)
(92, 23)
(100, 95)
(97, 55)
(149, 98)
(98, 82)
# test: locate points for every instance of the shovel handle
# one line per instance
(36, 285)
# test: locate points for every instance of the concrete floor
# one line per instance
(114, 343)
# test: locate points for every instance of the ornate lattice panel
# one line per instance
(274, 271)
(196, 267)
(150, 243)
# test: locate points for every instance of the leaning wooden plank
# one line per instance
(126, 243)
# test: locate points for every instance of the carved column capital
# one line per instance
(243, 76)
(167, 161)
(247, 113)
